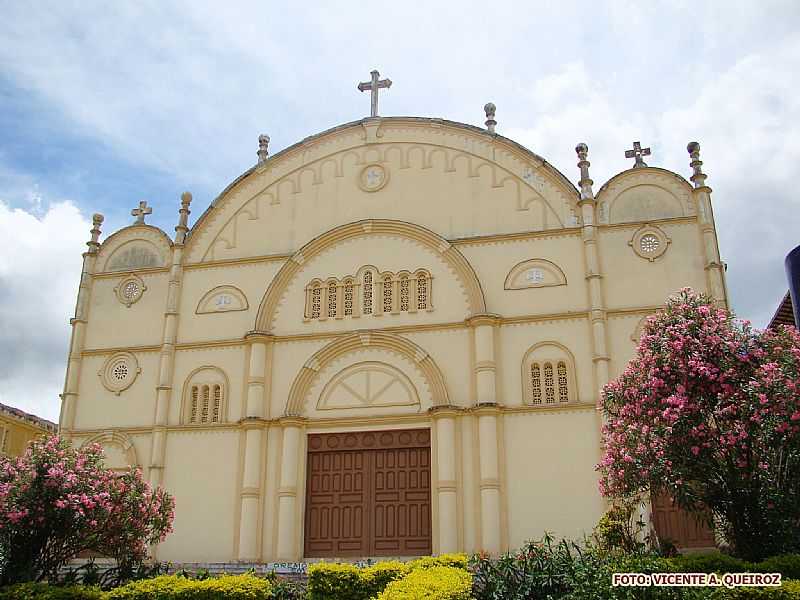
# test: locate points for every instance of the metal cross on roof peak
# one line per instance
(638, 152)
(373, 86)
(140, 212)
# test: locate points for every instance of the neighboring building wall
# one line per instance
(18, 428)
(534, 296)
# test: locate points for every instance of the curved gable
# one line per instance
(457, 180)
(644, 194)
(133, 248)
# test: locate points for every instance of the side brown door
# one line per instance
(682, 528)
(368, 494)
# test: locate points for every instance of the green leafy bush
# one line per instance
(174, 587)
(789, 590)
(787, 565)
(44, 591)
(430, 583)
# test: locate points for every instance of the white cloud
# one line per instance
(39, 275)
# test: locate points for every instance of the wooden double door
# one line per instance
(368, 494)
(682, 528)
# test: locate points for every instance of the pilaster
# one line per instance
(446, 485)
(69, 397)
(288, 517)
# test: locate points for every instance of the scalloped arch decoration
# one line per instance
(223, 298)
(421, 144)
(353, 342)
(451, 255)
(534, 273)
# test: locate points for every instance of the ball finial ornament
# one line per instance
(490, 109)
(582, 147)
(186, 197)
(693, 147)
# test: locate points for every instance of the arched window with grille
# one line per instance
(366, 292)
(548, 371)
(388, 294)
(332, 299)
(348, 296)
(314, 300)
(205, 397)
(423, 299)
(405, 292)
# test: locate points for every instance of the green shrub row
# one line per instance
(787, 565)
(327, 581)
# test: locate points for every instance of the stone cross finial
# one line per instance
(637, 153)
(490, 109)
(698, 177)
(263, 148)
(140, 212)
(183, 220)
(582, 150)
(93, 243)
(373, 86)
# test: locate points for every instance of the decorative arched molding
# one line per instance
(437, 244)
(377, 377)
(559, 353)
(365, 339)
(115, 438)
(673, 191)
(637, 331)
(413, 142)
(534, 273)
(223, 298)
(215, 375)
(134, 247)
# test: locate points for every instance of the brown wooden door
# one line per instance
(682, 528)
(368, 494)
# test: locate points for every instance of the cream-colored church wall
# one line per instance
(551, 484)
(631, 281)
(229, 359)
(621, 332)
(450, 350)
(288, 358)
(386, 253)
(493, 261)
(112, 324)
(516, 339)
(114, 441)
(201, 473)
(99, 408)
(251, 279)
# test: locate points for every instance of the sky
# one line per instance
(106, 104)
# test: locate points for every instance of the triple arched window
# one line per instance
(205, 397)
(548, 376)
(369, 293)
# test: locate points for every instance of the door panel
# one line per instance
(368, 494)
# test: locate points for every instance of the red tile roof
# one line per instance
(21, 414)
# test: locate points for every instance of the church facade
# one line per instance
(386, 340)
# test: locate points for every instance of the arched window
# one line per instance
(548, 372)
(316, 301)
(387, 294)
(549, 391)
(367, 293)
(536, 383)
(423, 290)
(405, 286)
(332, 291)
(205, 397)
(347, 299)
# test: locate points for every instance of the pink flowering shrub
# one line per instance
(708, 411)
(57, 501)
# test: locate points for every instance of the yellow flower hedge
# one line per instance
(434, 583)
(173, 587)
(327, 581)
